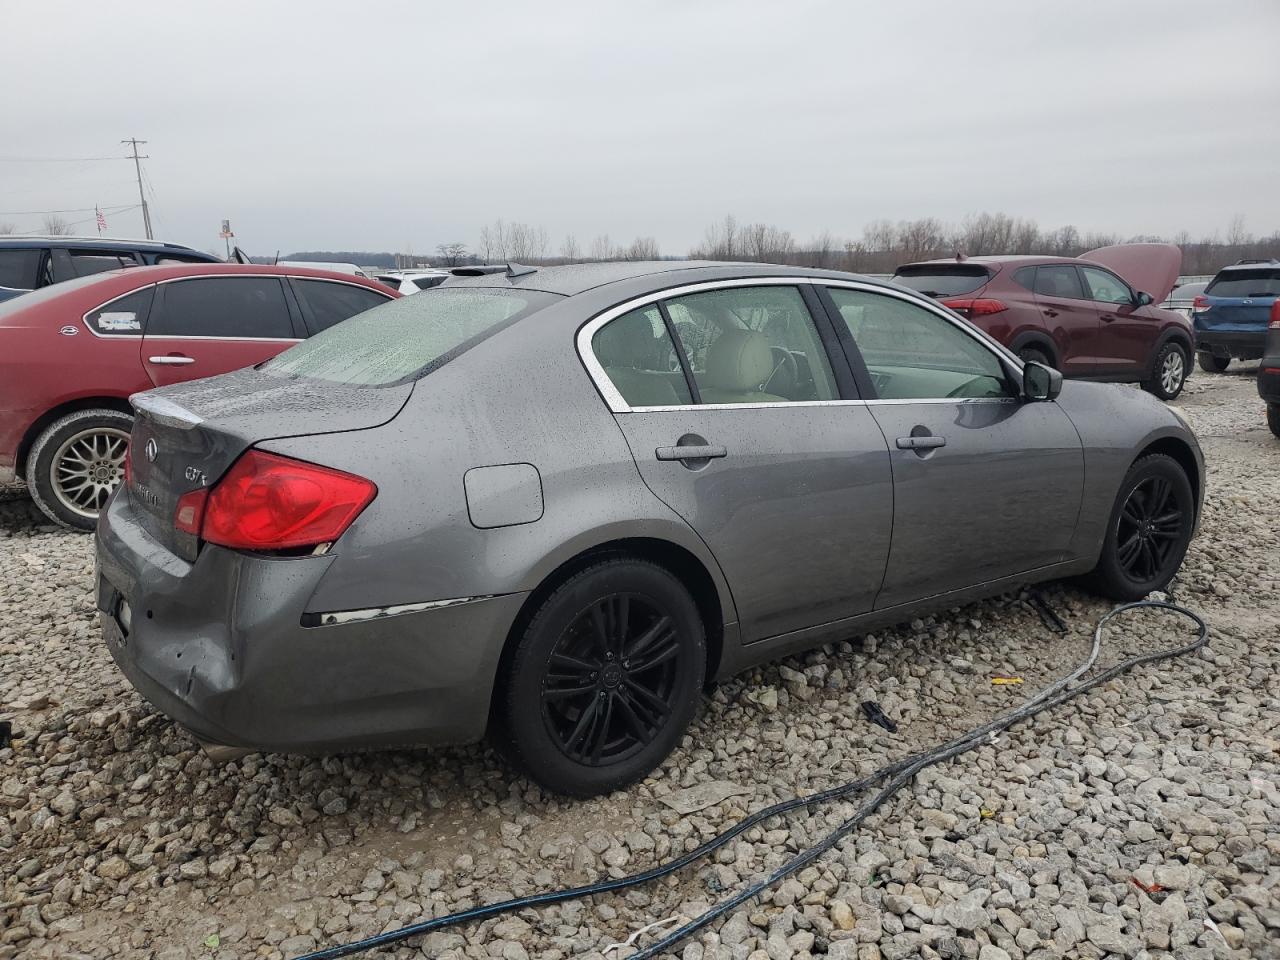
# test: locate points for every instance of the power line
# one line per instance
(36, 213)
(56, 159)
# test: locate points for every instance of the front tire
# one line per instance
(76, 464)
(605, 678)
(1273, 418)
(1211, 364)
(1148, 532)
(1169, 373)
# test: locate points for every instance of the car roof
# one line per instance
(575, 278)
(1018, 258)
(89, 243)
(1253, 265)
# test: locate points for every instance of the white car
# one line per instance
(406, 282)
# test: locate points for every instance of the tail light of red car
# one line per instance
(1274, 324)
(1200, 302)
(976, 307)
(269, 502)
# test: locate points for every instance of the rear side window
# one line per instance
(1059, 281)
(19, 268)
(88, 262)
(943, 280)
(123, 317)
(639, 357)
(238, 307)
(1262, 282)
(407, 338)
(332, 303)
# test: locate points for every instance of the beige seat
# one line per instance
(739, 362)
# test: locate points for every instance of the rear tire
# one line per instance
(1168, 373)
(605, 679)
(1036, 355)
(1211, 364)
(1273, 418)
(76, 464)
(1148, 532)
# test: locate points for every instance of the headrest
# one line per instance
(738, 360)
(627, 342)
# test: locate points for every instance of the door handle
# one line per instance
(173, 361)
(1107, 317)
(920, 443)
(1050, 312)
(690, 452)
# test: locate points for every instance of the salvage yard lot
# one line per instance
(119, 838)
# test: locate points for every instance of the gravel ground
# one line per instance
(1141, 820)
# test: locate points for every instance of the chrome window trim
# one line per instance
(617, 404)
(189, 336)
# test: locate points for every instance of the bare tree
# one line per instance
(56, 226)
(643, 248)
(451, 253)
(822, 251)
(569, 249)
(603, 249)
(1237, 236)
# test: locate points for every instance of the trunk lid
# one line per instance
(1147, 267)
(1239, 299)
(186, 436)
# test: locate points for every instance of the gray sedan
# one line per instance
(551, 504)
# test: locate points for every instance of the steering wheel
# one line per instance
(785, 370)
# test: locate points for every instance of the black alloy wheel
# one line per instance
(1149, 530)
(610, 680)
(604, 678)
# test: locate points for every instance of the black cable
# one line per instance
(898, 774)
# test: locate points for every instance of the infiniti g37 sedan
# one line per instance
(551, 504)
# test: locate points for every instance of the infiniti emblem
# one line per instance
(151, 450)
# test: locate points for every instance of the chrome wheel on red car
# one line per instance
(76, 464)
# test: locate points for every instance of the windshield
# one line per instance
(407, 339)
(939, 280)
(1264, 282)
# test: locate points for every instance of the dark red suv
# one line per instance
(72, 353)
(1092, 317)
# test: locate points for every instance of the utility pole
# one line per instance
(137, 164)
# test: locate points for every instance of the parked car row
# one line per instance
(1092, 317)
(549, 504)
(32, 262)
(72, 354)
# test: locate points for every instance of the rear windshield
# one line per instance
(1263, 282)
(937, 280)
(406, 339)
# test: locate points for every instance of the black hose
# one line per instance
(897, 774)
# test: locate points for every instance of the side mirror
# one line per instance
(1141, 299)
(1040, 382)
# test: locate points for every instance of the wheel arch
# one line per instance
(682, 563)
(1182, 454)
(1041, 339)
(38, 426)
(1182, 338)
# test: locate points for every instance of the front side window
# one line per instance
(236, 307)
(914, 354)
(1105, 287)
(123, 317)
(752, 345)
(408, 338)
(88, 262)
(332, 303)
(19, 269)
(639, 358)
(1059, 281)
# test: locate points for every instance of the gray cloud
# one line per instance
(394, 125)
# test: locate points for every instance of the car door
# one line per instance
(1070, 316)
(985, 486)
(201, 326)
(740, 424)
(1126, 332)
(326, 302)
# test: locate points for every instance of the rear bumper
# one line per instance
(1269, 380)
(1241, 345)
(218, 646)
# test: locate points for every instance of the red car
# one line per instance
(1092, 317)
(72, 353)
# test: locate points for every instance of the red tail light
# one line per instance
(269, 502)
(190, 511)
(979, 307)
(1200, 302)
(1274, 324)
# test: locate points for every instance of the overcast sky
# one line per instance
(385, 126)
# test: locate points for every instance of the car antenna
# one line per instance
(518, 270)
(960, 257)
(277, 259)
